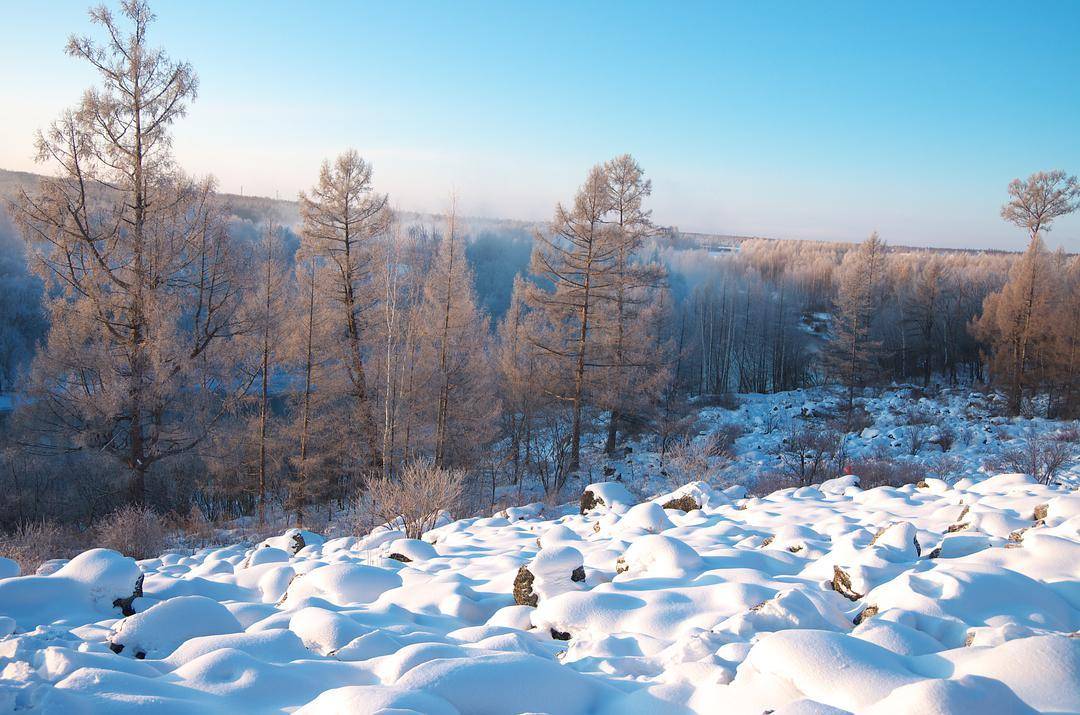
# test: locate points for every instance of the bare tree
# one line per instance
(852, 349)
(343, 217)
(141, 269)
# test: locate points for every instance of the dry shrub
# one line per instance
(193, 528)
(885, 473)
(701, 459)
(945, 468)
(858, 419)
(945, 438)
(725, 437)
(769, 482)
(413, 501)
(134, 531)
(811, 455)
(33, 543)
(1041, 456)
(1067, 434)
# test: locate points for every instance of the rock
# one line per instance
(1040, 512)
(589, 501)
(609, 471)
(953, 528)
(560, 635)
(125, 604)
(868, 612)
(684, 503)
(401, 557)
(523, 591)
(841, 583)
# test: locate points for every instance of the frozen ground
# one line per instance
(933, 598)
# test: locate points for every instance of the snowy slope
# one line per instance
(967, 598)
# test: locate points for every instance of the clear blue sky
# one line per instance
(788, 119)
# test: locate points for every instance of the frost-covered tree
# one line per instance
(343, 218)
(577, 257)
(1017, 321)
(852, 348)
(143, 294)
(453, 350)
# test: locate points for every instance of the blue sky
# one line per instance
(787, 119)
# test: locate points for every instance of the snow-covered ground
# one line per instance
(935, 597)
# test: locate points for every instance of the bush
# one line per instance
(885, 473)
(414, 501)
(134, 531)
(691, 459)
(1043, 457)
(810, 455)
(35, 542)
(769, 482)
(858, 419)
(945, 468)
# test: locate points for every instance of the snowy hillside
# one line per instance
(930, 598)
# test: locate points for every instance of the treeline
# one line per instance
(194, 356)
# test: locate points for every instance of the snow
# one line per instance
(951, 596)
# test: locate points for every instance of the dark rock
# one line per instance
(578, 574)
(841, 583)
(868, 612)
(297, 542)
(684, 503)
(560, 635)
(523, 592)
(589, 501)
(125, 604)
(400, 557)
(116, 648)
(608, 471)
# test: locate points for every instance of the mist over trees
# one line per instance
(175, 348)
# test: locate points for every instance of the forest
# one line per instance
(209, 357)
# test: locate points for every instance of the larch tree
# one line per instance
(454, 352)
(267, 303)
(633, 358)
(343, 217)
(1014, 321)
(577, 257)
(852, 349)
(141, 273)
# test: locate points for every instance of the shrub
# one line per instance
(945, 468)
(809, 455)
(134, 531)
(415, 499)
(769, 482)
(33, 543)
(858, 419)
(913, 437)
(885, 473)
(1040, 456)
(697, 459)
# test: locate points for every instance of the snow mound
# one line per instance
(158, 631)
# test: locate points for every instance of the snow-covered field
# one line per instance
(932, 598)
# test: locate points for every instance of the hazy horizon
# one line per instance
(780, 120)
